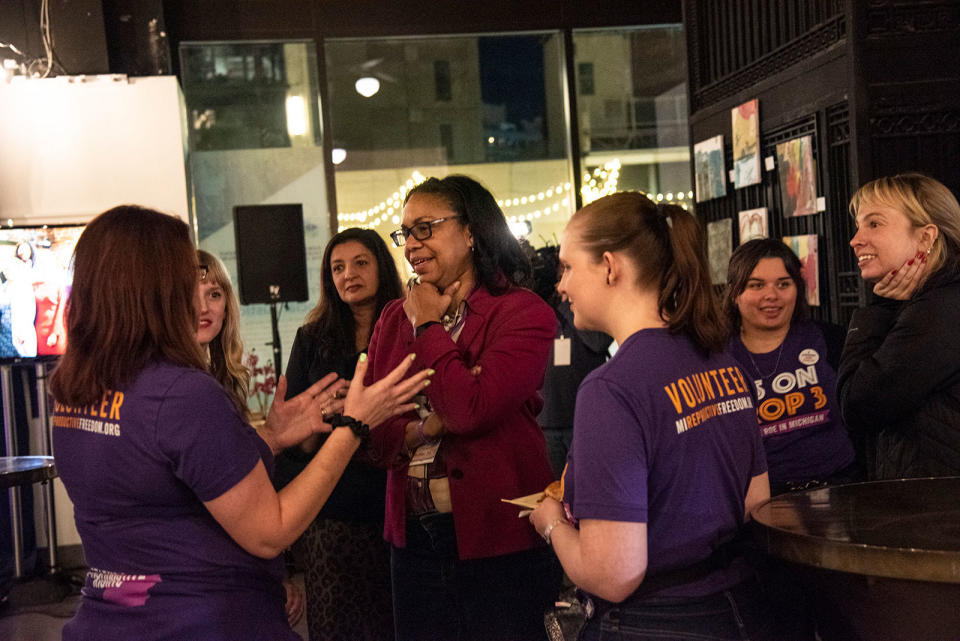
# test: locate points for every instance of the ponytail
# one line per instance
(666, 243)
(688, 302)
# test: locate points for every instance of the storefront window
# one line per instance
(253, 122)
(633, 113)
(491, 107)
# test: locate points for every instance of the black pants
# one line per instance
(438, 597)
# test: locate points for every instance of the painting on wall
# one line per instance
(745, 123)
(710, 172)
(798, 177)
(805, 247)
(753, 224)
(719, 248)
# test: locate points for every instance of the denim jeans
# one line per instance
(438, 597)
(737, 614)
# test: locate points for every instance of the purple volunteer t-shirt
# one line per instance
(803, 431)
(667, 437)
(138, 467)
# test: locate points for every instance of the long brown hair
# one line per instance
(134, 284)
(226, 348)
(331, 321)
(666, 244)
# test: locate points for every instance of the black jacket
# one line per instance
(899, 379)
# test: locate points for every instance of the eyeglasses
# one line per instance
(420, 231)
(203, 271)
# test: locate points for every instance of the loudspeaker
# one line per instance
(270, 253)
(136, 37)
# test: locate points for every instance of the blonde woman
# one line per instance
(899, 378)
(218, 331)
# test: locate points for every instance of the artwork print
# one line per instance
(719, 248)
(798, 177)
(710, 171)
(753, 224)
(805, 247)
(745, 123)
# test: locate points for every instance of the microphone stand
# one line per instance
(275, 326)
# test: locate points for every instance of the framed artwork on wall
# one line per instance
(710, 170)
(719, 248)
(754, 224)
(805, 247)
(745, 123)
(798, 177)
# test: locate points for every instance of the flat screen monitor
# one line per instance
(36, 273)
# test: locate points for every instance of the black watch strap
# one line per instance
(360, 429)
(424, 327)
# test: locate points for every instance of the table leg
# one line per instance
(10, 440)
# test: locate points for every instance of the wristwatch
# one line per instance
(358, 428)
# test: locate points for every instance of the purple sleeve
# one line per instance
(758, 463)
(610, 455)
(209, 446)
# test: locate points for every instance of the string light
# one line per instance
(602, 181)
(382, 211)
(608, 175)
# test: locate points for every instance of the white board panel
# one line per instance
(71, 147)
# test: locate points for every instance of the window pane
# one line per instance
(491, 107)
(250, 95)
(633, 115)
(254, 139)
(585, 78)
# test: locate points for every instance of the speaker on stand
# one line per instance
(271, 260)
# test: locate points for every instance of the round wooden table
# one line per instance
(885, 555)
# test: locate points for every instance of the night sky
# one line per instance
(511, 73)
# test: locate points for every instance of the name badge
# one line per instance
(425, 453)
(561, 351)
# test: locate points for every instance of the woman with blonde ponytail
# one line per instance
(667, 463)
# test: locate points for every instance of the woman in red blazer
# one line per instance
(463, 565)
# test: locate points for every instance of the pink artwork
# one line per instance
(798, 177)
(805, 247)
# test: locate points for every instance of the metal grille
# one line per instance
(738, 43)
(840, 290)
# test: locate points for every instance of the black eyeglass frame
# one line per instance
(399, 236)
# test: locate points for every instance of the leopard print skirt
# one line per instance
(347, 581)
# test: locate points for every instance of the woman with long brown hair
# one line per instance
(345, 560)
(181, 526)
(666, 463)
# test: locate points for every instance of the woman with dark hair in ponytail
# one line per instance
(667, 463)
